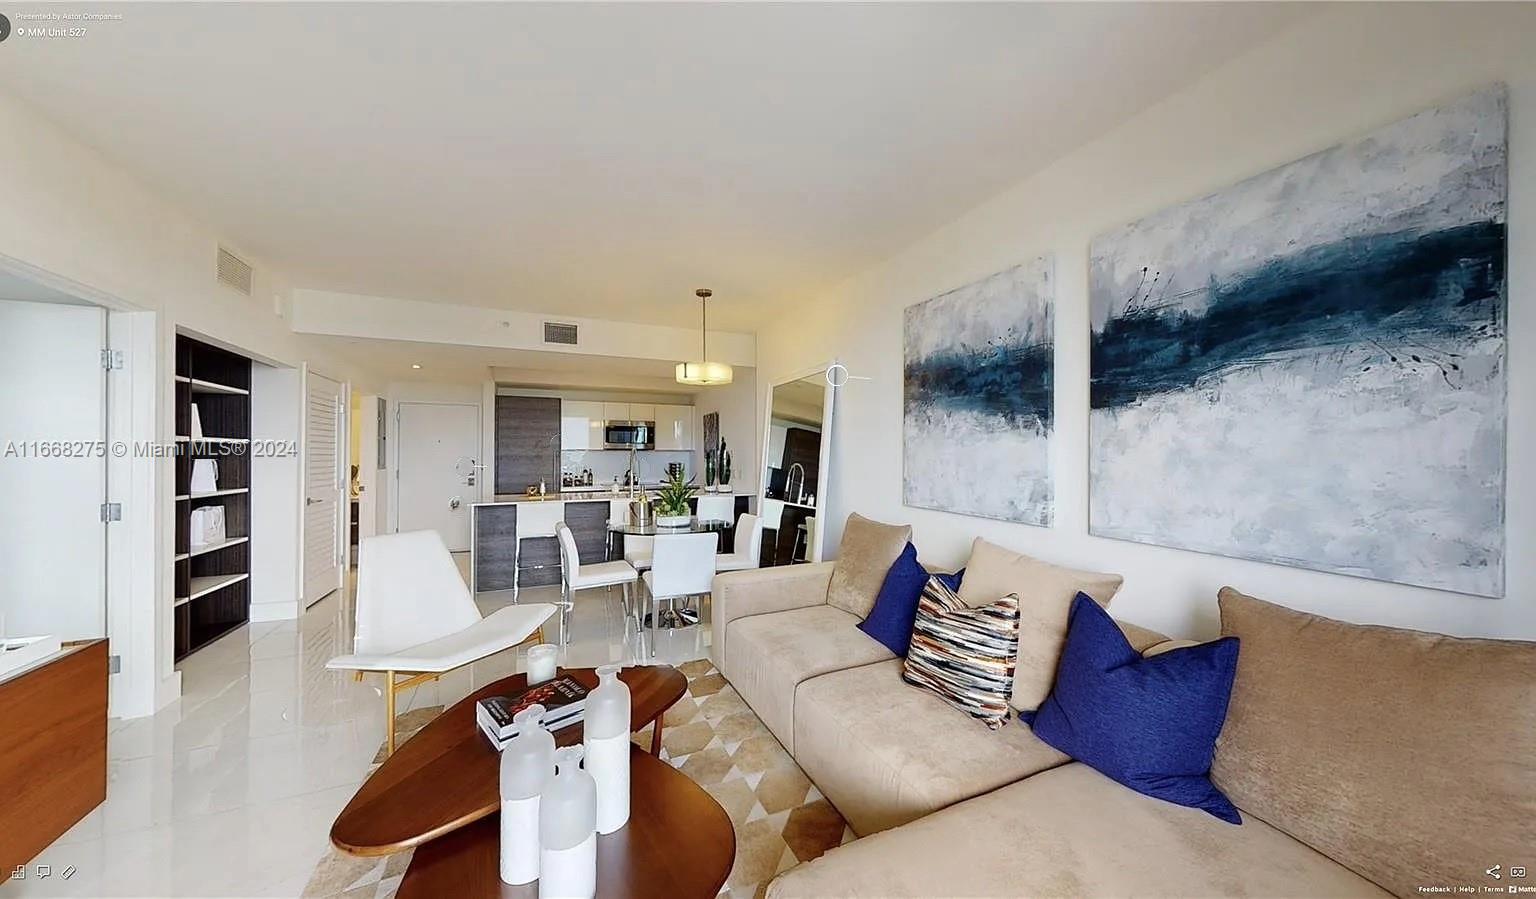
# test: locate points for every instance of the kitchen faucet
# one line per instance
(790, 477)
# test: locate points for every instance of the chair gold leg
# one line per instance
(389, 713)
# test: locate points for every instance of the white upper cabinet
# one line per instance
(581, 425)
(642, 412)
(674, 427)
(616, 411)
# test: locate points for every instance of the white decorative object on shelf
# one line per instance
(18, 652)
(197, 423)
(205, 475)
(207, 526)
(607, 747)
(568, 830)
(526, 764)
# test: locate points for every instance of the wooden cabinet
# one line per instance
(527, 442)
(581, 425)
(674, 427)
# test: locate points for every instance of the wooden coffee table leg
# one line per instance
(656, 737)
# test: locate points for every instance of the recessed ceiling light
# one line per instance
(415, 365)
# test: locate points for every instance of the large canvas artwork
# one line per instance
(976, 428)
(1308, 368)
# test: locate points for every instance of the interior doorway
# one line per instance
(325, 485)
(437, 469)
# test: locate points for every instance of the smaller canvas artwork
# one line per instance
(978, 402)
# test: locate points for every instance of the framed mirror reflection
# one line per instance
(795, 467)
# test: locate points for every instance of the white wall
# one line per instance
(739, 425)
(71, 213)
(276, 488)
(1332, 77)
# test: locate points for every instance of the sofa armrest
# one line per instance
(758, 591)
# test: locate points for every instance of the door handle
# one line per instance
(310, 501)
(454, 503)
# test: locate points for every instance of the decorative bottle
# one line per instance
(607, 746)
(526, 764)
(568, 830)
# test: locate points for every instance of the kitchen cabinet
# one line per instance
(581, 425)
(527, 442)
(642, 412)
(674, 427)
(616, 412)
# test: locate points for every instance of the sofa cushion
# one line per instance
(771, 654)
(963, 655)
(887, 753)
(1071, 831)
(890, 620)
(1147, 723)
(868, 551)
(1404, 755)
(1045, 594)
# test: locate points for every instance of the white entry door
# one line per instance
(53, 475)
(324, 486)
(438, 469)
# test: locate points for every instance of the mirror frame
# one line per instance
(824, 461)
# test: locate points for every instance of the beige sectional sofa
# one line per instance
(945, 807)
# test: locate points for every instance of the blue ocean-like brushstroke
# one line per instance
(1402, 292)
(1010, 379)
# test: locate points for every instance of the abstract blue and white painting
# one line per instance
(976, 423)
(1308, 368)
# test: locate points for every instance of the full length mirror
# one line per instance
(795, 454)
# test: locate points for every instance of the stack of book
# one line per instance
(563, 700)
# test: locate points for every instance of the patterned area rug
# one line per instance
(781, 819)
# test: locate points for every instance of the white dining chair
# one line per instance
(804, 535)
(773, 517)
(749, 545)
(638, 550)
(416, 617)
(576, 576)
(682, 566)
(716, 508)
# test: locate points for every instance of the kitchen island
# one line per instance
(511, 521)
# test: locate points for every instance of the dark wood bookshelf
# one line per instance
(212, 583)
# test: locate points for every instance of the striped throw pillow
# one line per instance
(963, 655)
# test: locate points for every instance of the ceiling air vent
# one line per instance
(555, 332)
(234, 271)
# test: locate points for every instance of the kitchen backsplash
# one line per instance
(609, 464)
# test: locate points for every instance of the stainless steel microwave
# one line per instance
(640, 435)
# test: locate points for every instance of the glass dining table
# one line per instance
(694, 526)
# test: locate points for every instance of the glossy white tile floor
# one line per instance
(231, 791)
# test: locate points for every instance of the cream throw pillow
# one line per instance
(1045, 593)
(865, 556)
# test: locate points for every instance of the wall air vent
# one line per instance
(234, 272)
(563, 334)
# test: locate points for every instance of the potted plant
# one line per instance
(725, 468)
(672, 501)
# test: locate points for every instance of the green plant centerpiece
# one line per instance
(672, 500)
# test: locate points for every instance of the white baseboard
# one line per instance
(274, 611)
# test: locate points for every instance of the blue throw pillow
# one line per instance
(1148, 723)
(890, 621)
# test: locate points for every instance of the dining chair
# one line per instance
(773, 516)
(804, 534)
(749, 545)
(576, 576)
(716, 508)
(415, 617)
(637, 551)
(618, 517)
(682, 566)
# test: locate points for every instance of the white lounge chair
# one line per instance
(416, 617)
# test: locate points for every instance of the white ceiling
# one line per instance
(392, 360)
(605, 160)
(15, 287)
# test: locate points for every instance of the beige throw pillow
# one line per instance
(1045, 593)
(868, 551)
(1404, 756)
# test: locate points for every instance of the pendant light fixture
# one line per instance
(704, 373)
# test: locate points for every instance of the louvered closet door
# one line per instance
(324, 486)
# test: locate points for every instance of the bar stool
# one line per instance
(804, 534)
(773, 516)
(716, 508)
(534, 520)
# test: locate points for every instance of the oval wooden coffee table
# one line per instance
(678, 844)
(447, 775)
